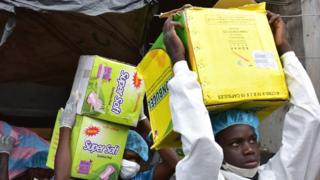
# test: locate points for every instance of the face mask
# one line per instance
(129, 169)
(248, 173)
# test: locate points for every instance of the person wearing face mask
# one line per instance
(225, 146)
(136, 151)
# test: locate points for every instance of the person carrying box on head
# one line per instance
(228, 148)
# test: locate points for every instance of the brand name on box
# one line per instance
(159, 95)
(118, 100)
(101, 148)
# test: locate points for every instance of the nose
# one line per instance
(248, 149)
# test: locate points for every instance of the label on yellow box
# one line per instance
(235, 58)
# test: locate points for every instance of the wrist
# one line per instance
(4, 153)
(64, 130)
(177, 59)
(283, 48)
(176, 56)
(4, 156)
(68, 126)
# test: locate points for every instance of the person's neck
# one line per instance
(248, 173)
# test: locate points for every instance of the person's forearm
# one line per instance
(298, 156)
(167, 167)
(203, 156)
(299, 84)
(186, 104)
(4, 164)
(169, 157)
(63, 156)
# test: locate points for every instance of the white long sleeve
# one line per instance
(299, 155)
(203, 156)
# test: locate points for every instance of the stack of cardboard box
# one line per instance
(111, 96)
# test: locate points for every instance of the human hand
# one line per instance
(6, 144)
(173, 44)
(69, 113)
(279, 31)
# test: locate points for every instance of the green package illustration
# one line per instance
(109, 90)
(97, 148)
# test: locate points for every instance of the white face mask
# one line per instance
(129, 169)
(248, 173)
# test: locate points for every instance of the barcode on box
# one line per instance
(264, 59)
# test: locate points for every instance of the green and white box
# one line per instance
(95, 146)
(109, 90)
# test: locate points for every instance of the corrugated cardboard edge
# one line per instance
(224, 4)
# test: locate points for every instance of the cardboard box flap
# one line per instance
(232, 3)
(261, 7)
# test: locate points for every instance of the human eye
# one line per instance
(253, 140)
(235, 143)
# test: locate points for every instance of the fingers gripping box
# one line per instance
(96, 147)
(234, 55)
(109, 90)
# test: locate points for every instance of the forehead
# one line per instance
(130, 154)
(236, 131)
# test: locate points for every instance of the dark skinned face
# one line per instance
(240, 147)
(131, 156)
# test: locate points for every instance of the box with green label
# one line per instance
(233, 53)
(109, 90)
(157, 93)
(96, 147)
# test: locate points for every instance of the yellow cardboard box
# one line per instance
(234, 55)
(156, 70)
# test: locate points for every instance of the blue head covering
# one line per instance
(231, 117)
(137, 144)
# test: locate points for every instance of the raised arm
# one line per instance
(166, 168)
(298, 157)
(62, 164)
(6, 145)
(203, 156)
